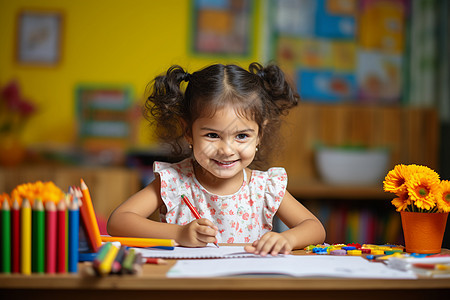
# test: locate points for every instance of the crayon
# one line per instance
(105, 265)
(117, 264)
(50, 229)
(38, 237)
(6, 237)
(61, 236)
(137, 264)
(194, 211)
(101, 255)
(25, 231)
(127, 265)
(15, 237)
(74, 225)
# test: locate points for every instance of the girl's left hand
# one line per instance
(272, 243)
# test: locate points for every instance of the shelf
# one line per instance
(314, 189)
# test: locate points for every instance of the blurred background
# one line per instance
(373, 76)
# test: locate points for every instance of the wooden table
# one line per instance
(153, 284)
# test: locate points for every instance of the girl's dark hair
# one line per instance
(261, 94)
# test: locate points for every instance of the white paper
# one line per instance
(289, 265)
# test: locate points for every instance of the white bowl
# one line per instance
(352, 166)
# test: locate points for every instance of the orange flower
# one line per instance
(402, 202)
(422, 189)
(395, 180)
(47, 191)
(4, 197)
(443, 197)
(432, 176)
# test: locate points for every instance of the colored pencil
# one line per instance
(15, 237)
(117, 264)
(85, 222)
(92, 222)
(139, 242)
(61, 237)
(6, 237)
(102, 251)
(105, 266)
(127, 265)
(155, 261)
(137, 264)
(194, 211)
(67, 202)
(74, 225)
(50, 222)
(25, 232)
(38, 237)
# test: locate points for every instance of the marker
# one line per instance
(194, 211)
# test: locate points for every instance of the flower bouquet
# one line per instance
(423, 201)
(15, 111)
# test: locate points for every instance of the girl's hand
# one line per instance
(272, 243)
(198, 233)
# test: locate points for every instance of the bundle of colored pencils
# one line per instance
(113, 258)
(39, 230)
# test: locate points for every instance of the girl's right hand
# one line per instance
(198, 233)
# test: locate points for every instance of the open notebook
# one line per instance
(209, 251)
(290, 265)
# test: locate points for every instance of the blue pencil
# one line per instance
(74, 224)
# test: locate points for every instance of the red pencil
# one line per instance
(61, 236)
(194, 211)
(15, 237)
(155, 261)
(50, 229)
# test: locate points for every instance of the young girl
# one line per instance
(227, 119)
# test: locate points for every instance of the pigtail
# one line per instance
(276, 86)
(163, 107)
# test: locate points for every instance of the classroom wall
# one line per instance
(104, 42)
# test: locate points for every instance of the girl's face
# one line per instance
(225, 143)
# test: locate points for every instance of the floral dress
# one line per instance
(242, 217)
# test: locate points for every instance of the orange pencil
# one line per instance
(87, 202)
(139, 242)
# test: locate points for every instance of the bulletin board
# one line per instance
(222, 27)
(104, 117)
(336, 51)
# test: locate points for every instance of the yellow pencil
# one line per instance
(25, 232)
(105, 266)
(139, 242)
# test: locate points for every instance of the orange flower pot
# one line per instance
(423, 232)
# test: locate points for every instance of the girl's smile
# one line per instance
(223, 146)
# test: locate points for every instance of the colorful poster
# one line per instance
(379, 76)
(326, 85)
(222, 27)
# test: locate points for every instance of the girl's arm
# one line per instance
(131, 219)
(305, 229)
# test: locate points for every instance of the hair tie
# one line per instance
(261, 73)
(186, 76)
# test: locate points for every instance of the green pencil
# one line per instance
(38, 237)
(6, 237)
(127, 265)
